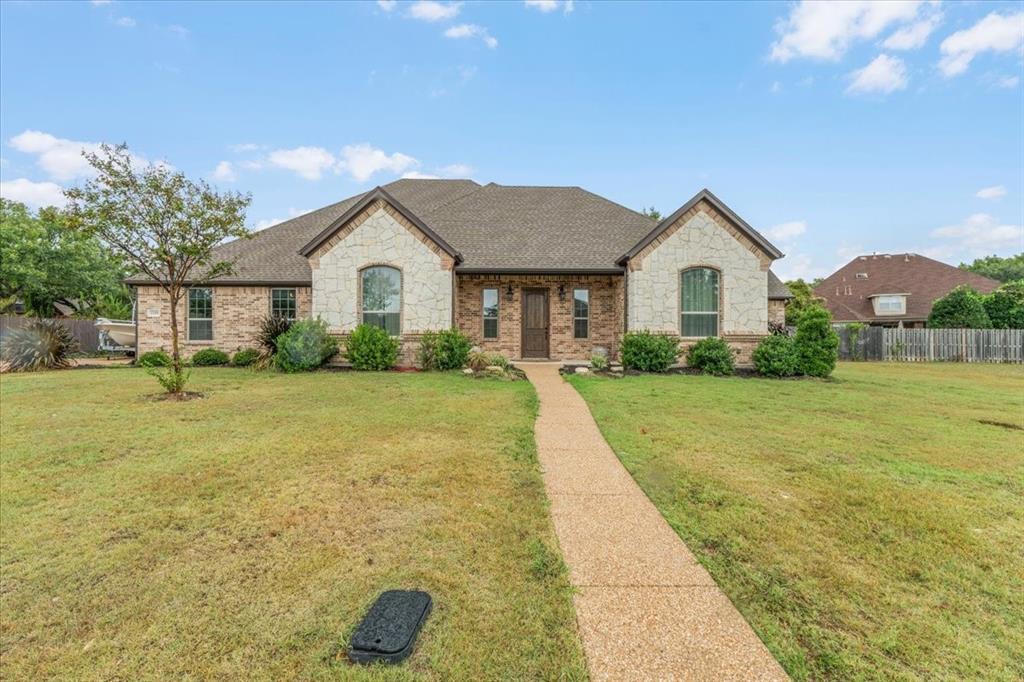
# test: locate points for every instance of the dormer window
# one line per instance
(890, 304)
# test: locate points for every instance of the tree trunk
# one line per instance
(175, 295)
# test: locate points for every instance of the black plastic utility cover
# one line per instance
(388, 632)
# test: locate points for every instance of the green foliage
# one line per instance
(776, 356)
(712, 355)
(478, 360)
(40, 344)
(961, 308)
(649, 352)
(43, 261)
(444, 350)
(652, 213)
(210, 357)
(305, 346)
(1005, 306)
(154, 358)
(112, 306)
(371, 348)
(171, 378)
(498, 360)
(599, 363)
(802, 301)
(855, 328)
(271, 329)
(245, 357)
(1007, 269)
(816, 343)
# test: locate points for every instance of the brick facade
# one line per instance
(776, 311)
(237, 312)
(607, 303)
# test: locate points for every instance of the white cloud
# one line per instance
(776, 88)
(61, 159)
(885, 74)
(429, 10)
(994, 192)
(456, 170)
(825, 30)
(543, 6)
(224, 172)
(33, 194)
(245, 147)
(416, 175)
(270, 222)
(363, 160)
(982, 233)
(308, 162)
(252, 164)
(97, 3)
(915, 35)
(787, 231)
(1008, 82)
(387, 5)
(472, 31)
(995, 33)
(125, 22)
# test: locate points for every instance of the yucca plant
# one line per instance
(272, 327)
(41, 344)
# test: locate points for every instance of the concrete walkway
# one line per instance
(646, 609)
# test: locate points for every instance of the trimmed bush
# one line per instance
(40, 344)
(961, 308)
(649, 352)
(776, 357)
(817, 344)
(305, 346)
(444, 350)
(154, 358)
(711, 356)
(371, 348)
(245, 357)
(210, 357)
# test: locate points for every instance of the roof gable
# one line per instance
(668, 225)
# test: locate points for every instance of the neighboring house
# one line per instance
(530, 272)
(892, 290)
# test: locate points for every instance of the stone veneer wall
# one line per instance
(380, 235)
(237, 312)
(606, 313)
(776, 311)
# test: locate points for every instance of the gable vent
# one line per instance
(862, 275)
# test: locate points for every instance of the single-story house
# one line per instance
(893, 289)
(529, 272)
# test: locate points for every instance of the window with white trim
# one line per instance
(282, 303)
(699, 302)
(200, 314)
(382, 298)
(892, 305)
(580, 313)
(490, 313)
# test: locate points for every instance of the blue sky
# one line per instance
(836, 128)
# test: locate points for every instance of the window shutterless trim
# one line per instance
(295, 300)
(189, 318)
(483, 313)
(360, 311)
(574, 316)
(721, 300)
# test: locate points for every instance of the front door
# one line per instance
(535, 323)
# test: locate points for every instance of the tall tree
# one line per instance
(43, 262)
(1004, 269)
(164, 224)
(802, 301)
(961, 308)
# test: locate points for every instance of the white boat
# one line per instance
(120, 333)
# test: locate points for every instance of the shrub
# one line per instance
(817, 344)
(444, 350)
(41, 344)
(210, 357)
(711, 356)
(478, 360)
(371, 348)
(172, 379)
(649, 352)
(426, 354)
(959, 309)
(154, 358)
(271, 329)
(305, 346)
(1005, 306)
(245, 357)
(776, 356)
(498, 360)
(599, 362)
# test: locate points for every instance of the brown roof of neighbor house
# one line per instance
(849, 290)
(488, 228)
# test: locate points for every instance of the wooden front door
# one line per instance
(535, 323)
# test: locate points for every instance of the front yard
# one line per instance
(243, 536)
(868, 527)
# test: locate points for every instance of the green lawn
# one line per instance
(869, 527)
(243, 536)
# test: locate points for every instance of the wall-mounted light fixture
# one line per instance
(561, 293)
(508, 293)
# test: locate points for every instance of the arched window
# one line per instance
(382, 298)
(699, 304)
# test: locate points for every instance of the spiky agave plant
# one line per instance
(40, 344)
(272, 327)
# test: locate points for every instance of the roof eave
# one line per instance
(538, 271)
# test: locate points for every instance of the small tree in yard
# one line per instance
(961, 308)
(163, 223)
(816, 343)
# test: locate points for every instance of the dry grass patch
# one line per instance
(870, 527)
(244, 535)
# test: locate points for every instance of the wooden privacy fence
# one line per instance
(83, 330)
(954, 345)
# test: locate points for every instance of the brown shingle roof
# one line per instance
(777, 289)
(922, 278)
(492, 227)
